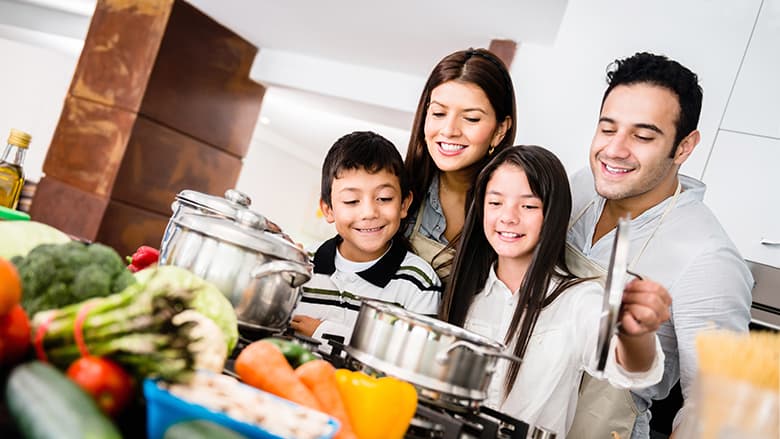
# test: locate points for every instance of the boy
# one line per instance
(365, 192)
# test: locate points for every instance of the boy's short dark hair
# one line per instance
(661, 71)
(362, 150)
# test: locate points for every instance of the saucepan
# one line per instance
(425, 351)
(259, 271)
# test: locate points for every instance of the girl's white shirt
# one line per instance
(561, 348)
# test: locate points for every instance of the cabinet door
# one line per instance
(754, 106)
(743, 189)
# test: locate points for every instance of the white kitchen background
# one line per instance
(320, 91)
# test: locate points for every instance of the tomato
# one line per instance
(14, 336)
(10, 286)
(108, 384)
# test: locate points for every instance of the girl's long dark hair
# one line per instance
(476, 66)
(547, 179)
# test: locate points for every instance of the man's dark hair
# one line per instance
(661, 71)
(362, 150)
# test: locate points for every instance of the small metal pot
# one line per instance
(258, 271)
(424, 351)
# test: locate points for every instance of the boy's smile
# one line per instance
(367, 210)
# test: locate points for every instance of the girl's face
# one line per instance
(460, 125)
(513, 215)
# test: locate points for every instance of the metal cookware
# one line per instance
(259, 271)
(617, 274)
(424, 351)
(189, 201)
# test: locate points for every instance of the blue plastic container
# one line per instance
(165, 409)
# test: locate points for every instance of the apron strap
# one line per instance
(668, 209)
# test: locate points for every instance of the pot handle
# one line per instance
(301, 273)
(441, 357)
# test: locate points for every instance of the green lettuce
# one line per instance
(208, 301)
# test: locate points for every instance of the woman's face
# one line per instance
(513, 215)
(460, 125)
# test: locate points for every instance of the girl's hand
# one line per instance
(645, 307)
(304, 324)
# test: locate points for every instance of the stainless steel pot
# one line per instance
(189, 202)
(424, 351)
(259, 271)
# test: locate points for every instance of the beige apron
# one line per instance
(601, 408)
(431, 250)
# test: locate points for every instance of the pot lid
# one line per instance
(613, 290)
(233, 201)
(244, 233)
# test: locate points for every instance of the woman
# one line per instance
(466, 114)
(510, 283)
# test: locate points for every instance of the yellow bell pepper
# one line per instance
(378, 408)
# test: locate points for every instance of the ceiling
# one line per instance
(408, 36)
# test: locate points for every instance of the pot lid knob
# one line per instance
(251, 219)
(238, 197)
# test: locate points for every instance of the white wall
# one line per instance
(33, 84)
(559, 88)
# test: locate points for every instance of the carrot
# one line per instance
(262, 365)
(319, 377)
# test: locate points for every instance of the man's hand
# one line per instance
(645, 307)
(304, 324)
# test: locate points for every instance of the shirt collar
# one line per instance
(492, 281)
(378, 274)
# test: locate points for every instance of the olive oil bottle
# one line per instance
(11, 173)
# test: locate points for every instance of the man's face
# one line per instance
(630, 152)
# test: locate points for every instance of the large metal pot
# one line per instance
(259, 271)
(424, 351)
(189, 202)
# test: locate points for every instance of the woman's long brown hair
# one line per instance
(547, 179)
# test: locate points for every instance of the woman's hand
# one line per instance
(304, 324)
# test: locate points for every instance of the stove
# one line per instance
(438, 416)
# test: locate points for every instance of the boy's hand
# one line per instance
(304, 324)
(645, 307)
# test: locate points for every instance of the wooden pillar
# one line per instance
(161, 101)
(504, 50)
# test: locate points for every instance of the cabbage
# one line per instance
(19, 237)
(208, 300)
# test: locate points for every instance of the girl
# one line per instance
(465, 114)
(511, 283)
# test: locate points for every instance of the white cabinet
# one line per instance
(743, 189)
(754, 106)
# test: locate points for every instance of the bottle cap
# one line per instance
(19, 138)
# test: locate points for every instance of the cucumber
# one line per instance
(45, 404)
(200, 429)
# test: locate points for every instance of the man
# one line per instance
(647, 129)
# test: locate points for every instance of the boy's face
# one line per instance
(367, 210)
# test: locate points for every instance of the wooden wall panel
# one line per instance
(88, 145)
(160, 162)
(75, 212)
(125, 228)
(120, 50)
(200, 84)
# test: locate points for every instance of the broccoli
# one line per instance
(56, 275)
